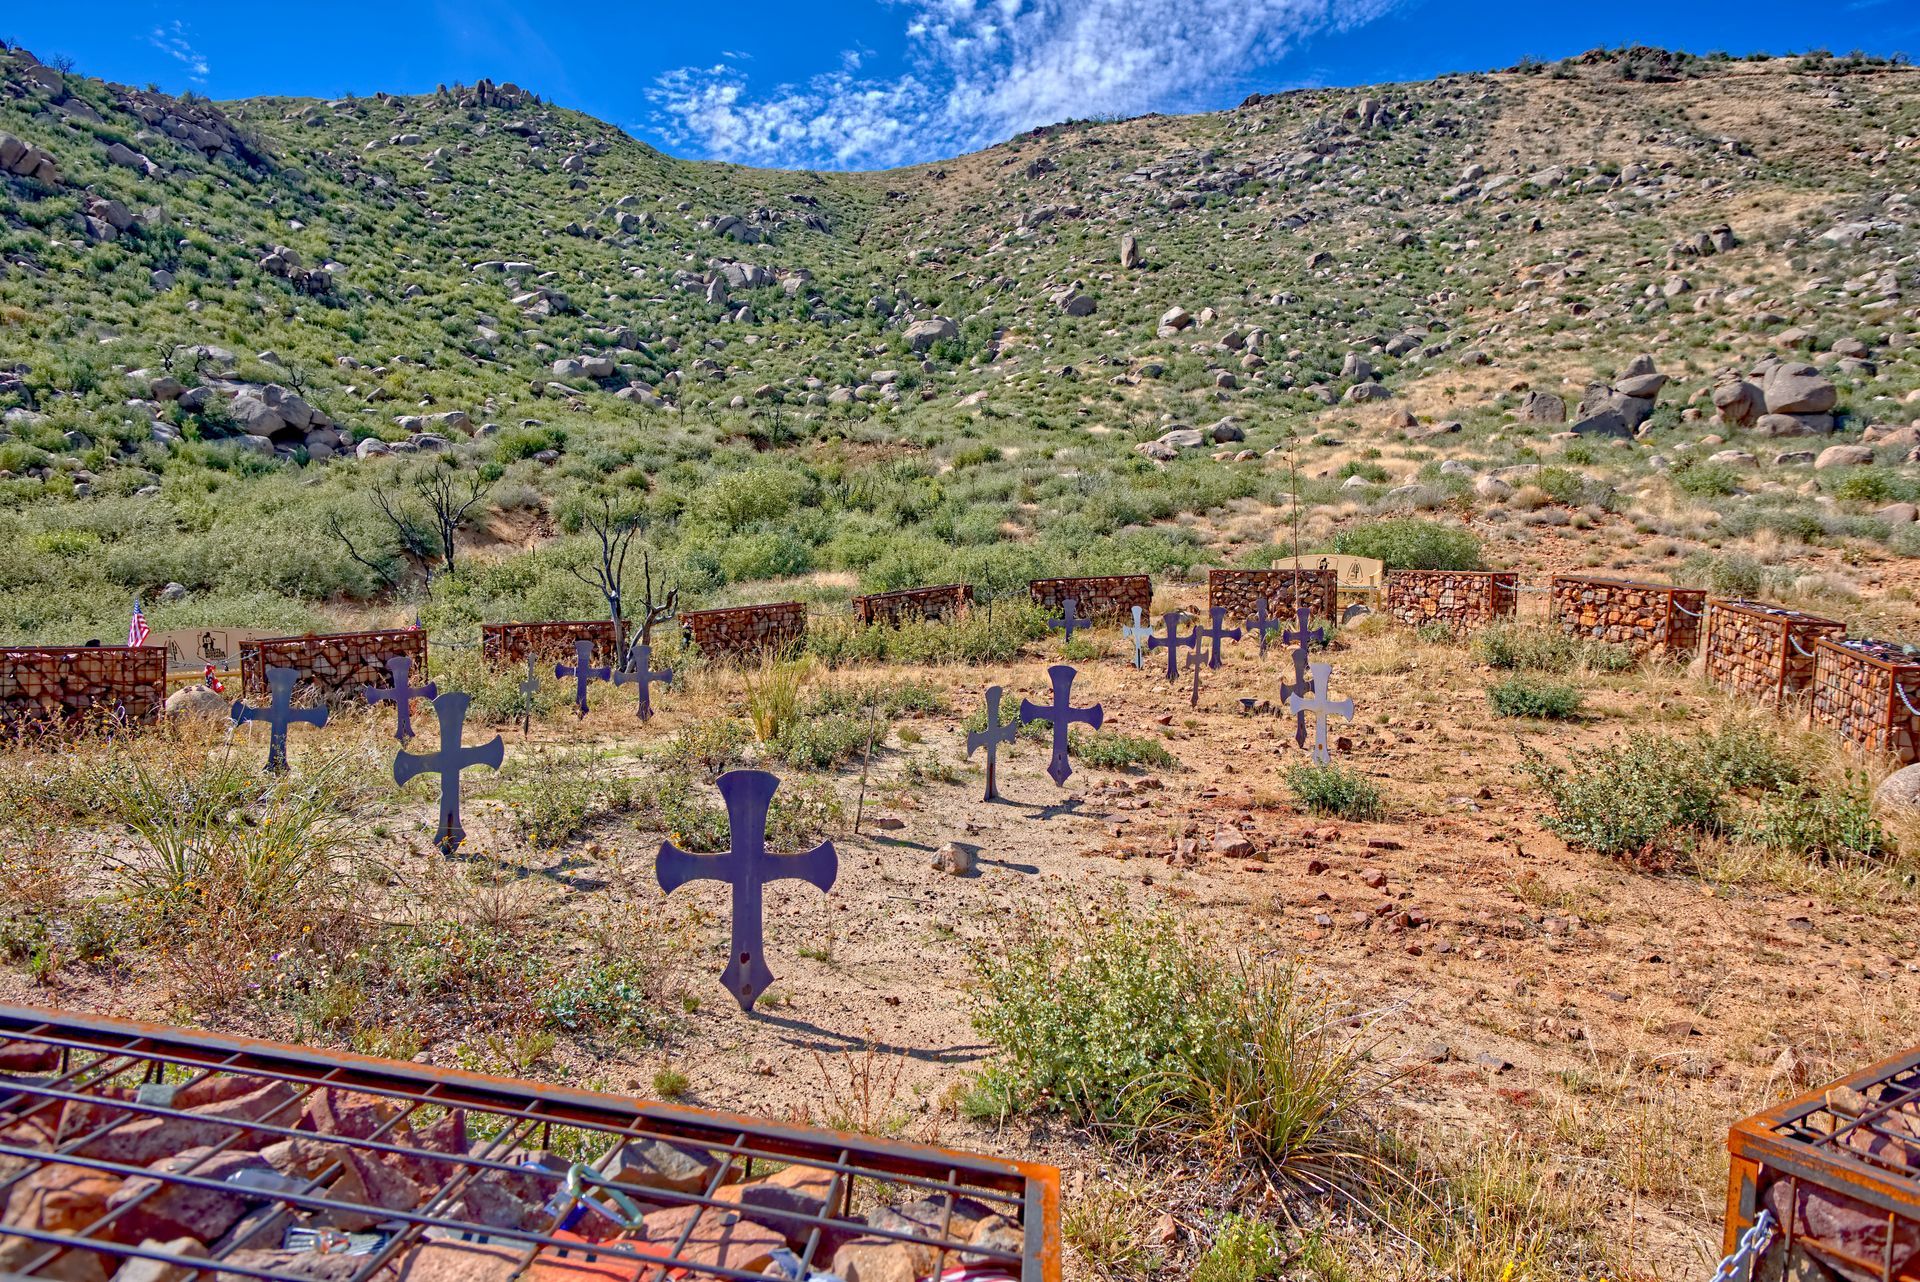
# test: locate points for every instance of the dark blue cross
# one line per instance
(1262, 623)
(1301, 636)
(1061, 714)
(991, 738)
(582, 672)
(402, 694)
(278, 714)
(1173, 641)
(531, 688)
(638, 672)
(1069, 618)
(450, 710)
(1216, 634)
(747, 867)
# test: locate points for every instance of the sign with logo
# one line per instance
(192, 649)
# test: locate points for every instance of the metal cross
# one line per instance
(1173, 641)
(531, 688)
(582, 672)
(279, 714)
(402, 693)
(1138, 633)
(1301, 636)
(1069, 618)
(1262, 623)
(1327, 708)
(450, 710)
(991, 738)
(1216, 633)
(637, 672)
(747, 867)
(1062, 714)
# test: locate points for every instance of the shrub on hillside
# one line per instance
(1408, 543)
(1335, 790)
(1535, 698)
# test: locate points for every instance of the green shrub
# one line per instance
(1647, 801)
(1108, 750)
(554, 797)
(1532, 697)
(1333, 789)
(710, 747)
(823, 742)
(1704, 480)
(1152, 1033)
(1408, 543)
(1731, 574)
(1821, 825)
(1522, 647)
(1243, 1250)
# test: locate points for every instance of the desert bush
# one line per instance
(1335, 790)
(1407, 543)
(1532, 697)
(1646, 801)
(1822, 825)
(709, 747)
(773, 694)
(1150, 1032)
(1523, 647)
(554, 797)
(823, 741)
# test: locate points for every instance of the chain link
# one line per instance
(1903, 698)
(1754, 1241)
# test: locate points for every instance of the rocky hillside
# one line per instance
(1596, 293)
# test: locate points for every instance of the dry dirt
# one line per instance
(1617, 1021)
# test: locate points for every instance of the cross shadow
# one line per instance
(1051, 810)
(812, 1037)
(556, 874)
(893, 843)
(1010, 866)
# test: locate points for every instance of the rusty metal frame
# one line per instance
(1672, 592)
(1901, 674)
(1778, 619)
(253, 664)
(1789, 1142)
(96, 1051)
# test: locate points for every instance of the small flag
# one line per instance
(137, 626)
(415, 625)
(213, 682)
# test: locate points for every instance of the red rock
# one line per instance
(776, 1200)
(715, 1238)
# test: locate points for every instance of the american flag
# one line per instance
(137, 626)
(213, 681)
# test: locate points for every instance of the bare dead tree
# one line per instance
(451, 496)
(613, 530)
(661, 613)
(392, 509)
(337, 528)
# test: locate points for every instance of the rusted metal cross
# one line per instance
(638, 672)
(402, 693)
(1262, 624)
(1069, 618)
(1215, 634)
(279, 714)
(1138, 633)
(582, 672)
(450, 710)
(1061, 714)
(1318, 703)
(747, 867)
(1173, 641)
(995, 734)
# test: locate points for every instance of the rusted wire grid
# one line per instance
(96, 1054)
(1836, 1168)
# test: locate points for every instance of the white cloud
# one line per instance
(983, 70)
(172, 41)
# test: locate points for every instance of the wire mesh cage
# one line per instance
(231, 1158)
(1839, 1171)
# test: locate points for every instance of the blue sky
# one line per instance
(853, 84)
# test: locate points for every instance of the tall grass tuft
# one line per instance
(773, 694)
